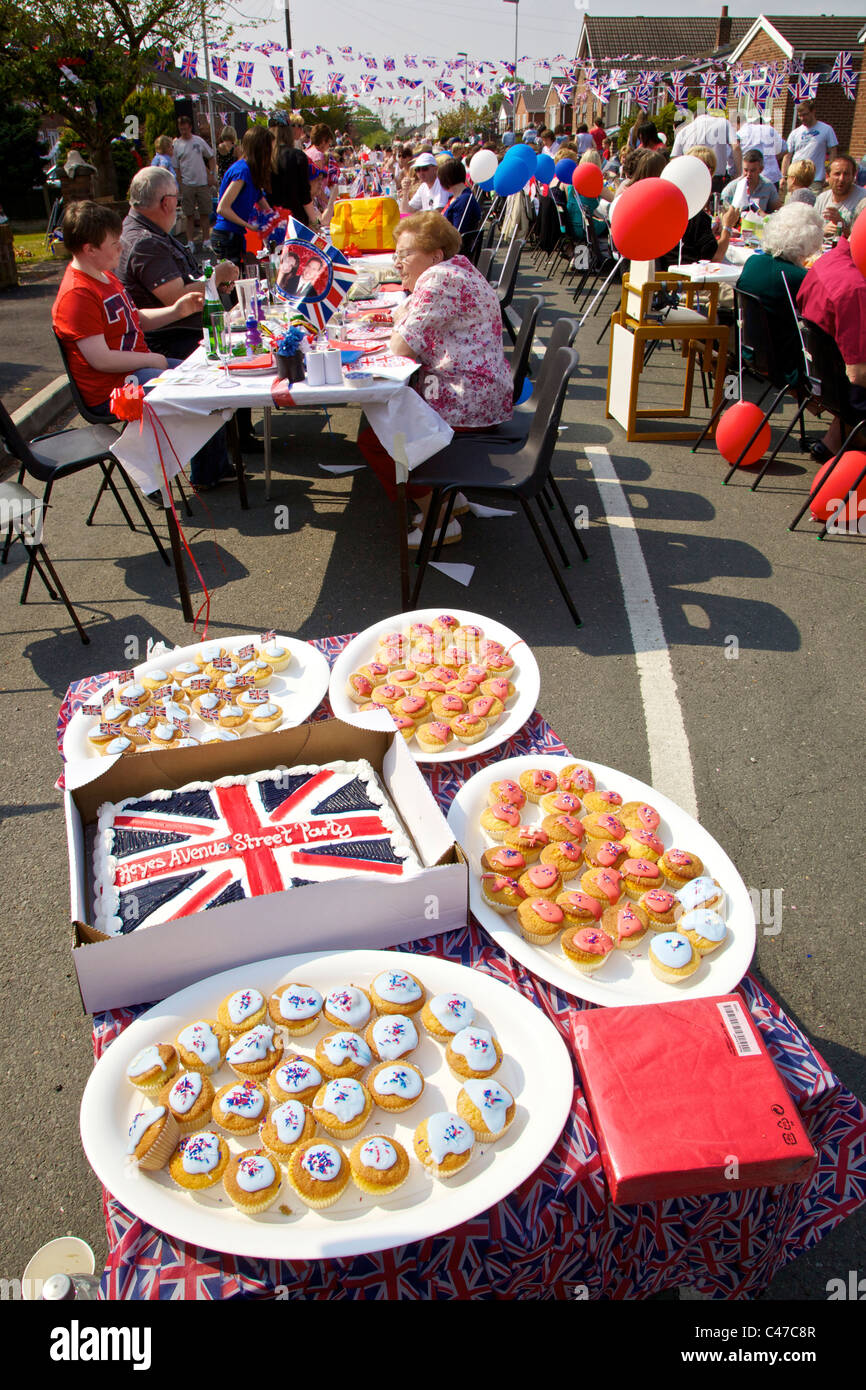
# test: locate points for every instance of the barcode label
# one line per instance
(739, 1032)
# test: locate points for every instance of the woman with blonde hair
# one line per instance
(801, 176)
(579, 205)
(451, 324)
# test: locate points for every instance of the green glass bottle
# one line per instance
(211, 301)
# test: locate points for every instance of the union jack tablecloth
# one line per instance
(556, 1235)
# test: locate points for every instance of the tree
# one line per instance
(83, 62)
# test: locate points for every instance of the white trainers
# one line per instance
(460, 508)
(453, 533)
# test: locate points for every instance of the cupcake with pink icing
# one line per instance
(661, 907)
(639, 875)
(598, 801)
(538, 782)
(579, 909)
(586, 948)
(541, 881)
(639, 815)
(626, 924)
(435, 736)
(561, 803)
(604, 884)
(540, 920)
(680, 867)
(643, 844)
(604, 854)
(504, 789)
(528, 839)
(498, 820)
(502, 893)
(574, 777)
(502, 859)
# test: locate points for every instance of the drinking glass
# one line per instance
(223, 340)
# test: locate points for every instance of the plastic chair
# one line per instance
(505, 288)
(472, 464)
(51, 457)
(523, 345)
(515, 430)
(92, 418)
(830, 387)
(24, 512)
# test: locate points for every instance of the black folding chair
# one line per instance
(832, 391)
(24, 515)
(523, 345)
(471, 464)
(505, 289)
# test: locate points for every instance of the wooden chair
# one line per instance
(637, 326)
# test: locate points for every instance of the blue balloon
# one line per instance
(544, 168)
(487, 186)
(522, 154)
(510, 177)
(565, 170)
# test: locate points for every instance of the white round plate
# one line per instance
(299, 689)
(625, 977)
(536, 1068)
(525, 677)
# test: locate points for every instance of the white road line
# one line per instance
(670, 759)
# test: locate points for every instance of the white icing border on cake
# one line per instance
(106, 897)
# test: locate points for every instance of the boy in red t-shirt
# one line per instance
(101, 328)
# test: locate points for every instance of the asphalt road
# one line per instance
(765, 634)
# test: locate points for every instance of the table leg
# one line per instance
(177, 556)
(238, 460)
(403, 525)
(267, 451)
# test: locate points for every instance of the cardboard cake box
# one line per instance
(685, 1101)
(347, 913)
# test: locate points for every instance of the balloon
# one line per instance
(692, 177)
(544, 168)
(482, 166)
(510, 177)
(648, 219)
(523, 155)
(857, 243)
(487, 185)
(735, 429)
(832, 486)
(587, 180)
(565, 170)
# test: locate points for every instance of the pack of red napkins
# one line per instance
(685, 1100)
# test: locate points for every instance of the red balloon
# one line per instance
(648, 219)
(832, 486)
(588, 180)
(545, 189)
(857, 243)
(735, 429)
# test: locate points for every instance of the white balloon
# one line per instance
(482, 166)
(692, 177)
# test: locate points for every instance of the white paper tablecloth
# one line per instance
(192, 406)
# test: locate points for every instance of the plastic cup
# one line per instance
(65, 1255)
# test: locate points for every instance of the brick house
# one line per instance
(529, 108)
(814, 41)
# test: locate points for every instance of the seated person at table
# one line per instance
(801, 176)
(451, 324)
(155, 269)
(579, 205)
(462, 210)
(752, 191)
(699, 240)
(428, 193)
(791, 237)
(242, 193)
(833, 296)
(837, 203)
(101, 328)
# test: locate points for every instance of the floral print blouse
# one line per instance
(454, 328)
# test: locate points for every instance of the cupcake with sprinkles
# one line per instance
(474, 1052)
(704, 929)
(604, 854)
(342, 1108)
(189, 1098)
(672, 957)
(536, 782)
(391, 1036)
(444, 1144)
(639, 815)
(701, 892)
(343, 1054)
(508, 791)
(529, 840)
(565, 856)
(680, 867)
(497, 821)
(397, 992)
(378, 1165)
(295, 1079)
(256, 1052)
(349, 1007)
(643, 844)
(252, 1181)
(586, 948)
(580, 909)
(488, 1108)
(242, 1010)
(599, 801)
(661, 907)
(202, 1045)
(151, 1068)
(540, 920)
(296, 1008)
(541, 881)
(639, 875)
(395, 1086)
(240, 1107)
(502, 893)
(287, 1126)
(445, 1014)
(626, 925)
(152, 1136)
(574, 777)
(502, 859)
(318, 1173)
(199, 1161)
(561, 803)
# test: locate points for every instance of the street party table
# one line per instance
(557, 1235)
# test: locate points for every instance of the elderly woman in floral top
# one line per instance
(451, 323)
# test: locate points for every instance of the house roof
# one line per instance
(533, 101)
(172, 80)
(803, 34)
(658, 39)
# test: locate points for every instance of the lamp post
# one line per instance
(465, 57)
(289, 57)
(516, 4)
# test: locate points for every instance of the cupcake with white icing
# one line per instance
(275, 654)
(152, 1066)
(349, 1007)
(378, 1165)
(287, 1126)
(189, 1098)
(445, 1014)
(395, 1086)
(152, 1136)
(444, 1144)
(252, 1181)
(256, 1052)
(240, 1107)
(392, 1036)
(296, 1008)
(397, 992)
(474, 1052)
(202, 1045)
(343, 1054)
(487, 1107)
(242, 1010)
(295, 1079)
(318, 1174)
(199, 1161)
(342, 1108)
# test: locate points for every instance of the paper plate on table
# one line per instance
(625, 977)
(536, 1069)
(298, 690)
(525, 677)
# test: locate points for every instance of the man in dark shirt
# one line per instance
(156, 268)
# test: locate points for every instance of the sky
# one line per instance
(442, 28)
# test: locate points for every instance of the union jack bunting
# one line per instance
(305, 82)
(773, 85)
(564, 91)
(842, 67)
(447, 90)
(368, 81)
(849, 85)
(244, 76)
(430, 62)
(509, 68)
(410, 82)
(336, 82)
(341, 279)
(647, 78)
(805, 88)
(371, 62)
(741, 84)
(389, 65)
(189, 63)
(410, 61)
(710, 92)
(346, 55)
(508, 89)
(269, 47)
(220, 68)
(164, 56)
(306, 53)
(279, 77)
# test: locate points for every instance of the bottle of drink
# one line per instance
(63, 1288)
(253, 336)
(211, 301)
